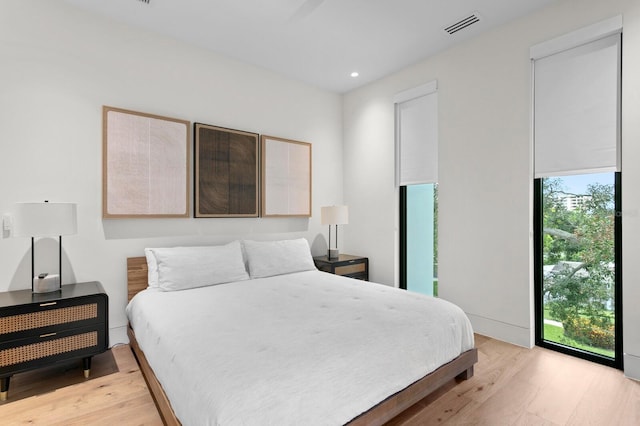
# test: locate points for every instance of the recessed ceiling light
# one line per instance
(355, 74)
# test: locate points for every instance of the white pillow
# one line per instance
(152, 268)
(181, 268)
(269, 258)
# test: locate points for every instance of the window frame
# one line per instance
(617, 361)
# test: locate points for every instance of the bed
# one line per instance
(251, 333)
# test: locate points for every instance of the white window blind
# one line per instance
(577, 103)
(417, 135)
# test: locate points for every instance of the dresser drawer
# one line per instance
(46, 317)
(23, 354)
(351, 269)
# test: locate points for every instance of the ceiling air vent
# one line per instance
(463, 23)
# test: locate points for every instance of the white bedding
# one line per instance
(308, 348)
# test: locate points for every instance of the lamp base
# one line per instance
(333, 253)
(47, 284)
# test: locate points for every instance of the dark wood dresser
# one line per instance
(39, 329)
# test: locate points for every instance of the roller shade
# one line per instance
(417, 135)
(577, 108)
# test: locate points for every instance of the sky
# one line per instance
(577, 184)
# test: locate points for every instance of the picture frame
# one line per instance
(226, 172)
(145, 165)
(286, 177)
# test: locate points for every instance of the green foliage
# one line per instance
(577, 294)
(556, 334)
(585, 331)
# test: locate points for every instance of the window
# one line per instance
(419, 238)
(577, 192)
(417, 176)
(578, 265)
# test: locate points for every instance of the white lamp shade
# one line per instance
(45, 219)
(334, 215)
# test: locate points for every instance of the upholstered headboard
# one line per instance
(136, 275)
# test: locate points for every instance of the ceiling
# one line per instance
(320, 42)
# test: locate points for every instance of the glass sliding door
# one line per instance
(578, 266)
(419, 238)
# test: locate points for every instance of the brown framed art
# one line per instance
(286, 177)
(226, 172)
(145, 165)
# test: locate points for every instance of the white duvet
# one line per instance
(308, 348)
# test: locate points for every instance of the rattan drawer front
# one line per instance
(47, 348)
(351, 269)
(40, 319)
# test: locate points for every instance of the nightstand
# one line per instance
(39, 329)
(345, 265)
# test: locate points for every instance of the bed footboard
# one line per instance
(460, 368)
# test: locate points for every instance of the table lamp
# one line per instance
(45, 220)
(334, 215)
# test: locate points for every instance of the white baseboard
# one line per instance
(631, 366)
(502, 331)
(118, 336)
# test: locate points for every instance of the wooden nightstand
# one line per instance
(39, 329)
(346, 265)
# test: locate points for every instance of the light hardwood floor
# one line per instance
(121, 398)
(511, 386)
(518, 386)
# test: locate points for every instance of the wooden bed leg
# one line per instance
(466, 374)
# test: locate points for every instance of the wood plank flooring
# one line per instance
(518, 386)
(121, 398)
(511, 386)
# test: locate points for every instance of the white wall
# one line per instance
(60, 65)
(485, 163)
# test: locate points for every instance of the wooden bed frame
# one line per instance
(461, 368)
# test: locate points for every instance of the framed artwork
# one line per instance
(226, 172)
(145, 165)
(286, 177)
